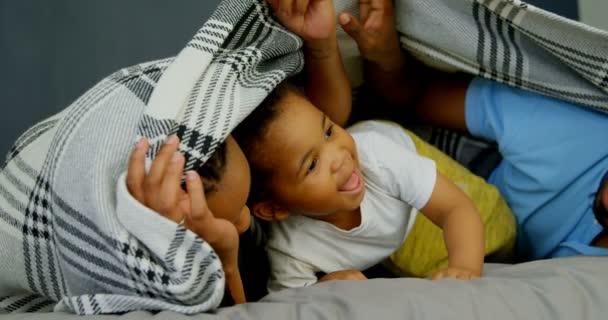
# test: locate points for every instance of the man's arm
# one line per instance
(437, 97)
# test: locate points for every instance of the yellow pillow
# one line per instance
(423, 252)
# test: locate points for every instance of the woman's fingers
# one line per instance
(159, 165)
(220, 234)
(171, 190)
(301, 6)
(159, 189)
(198, 202)
(136, 172)
(364, 8)
(285, 7)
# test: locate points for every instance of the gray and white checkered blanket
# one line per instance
(72, 237)
(511, 42)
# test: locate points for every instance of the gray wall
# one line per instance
(51, 51)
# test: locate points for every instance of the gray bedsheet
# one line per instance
(567, 288)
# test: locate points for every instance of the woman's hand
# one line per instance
(160, 190)
(219, 233)
(312, 20)
(375, 33)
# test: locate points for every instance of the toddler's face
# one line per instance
(314, 163)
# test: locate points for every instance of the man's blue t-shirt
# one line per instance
(554, 156)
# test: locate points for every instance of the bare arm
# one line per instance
(328, 86)
(393, 79)
(463, 231)
(437, 97)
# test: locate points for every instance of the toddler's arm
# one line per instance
(327, 85)
(463, 232)
(406, 175)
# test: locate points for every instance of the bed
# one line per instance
(565, 288)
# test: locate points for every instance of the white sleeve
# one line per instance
(399, 169)
(288, 272)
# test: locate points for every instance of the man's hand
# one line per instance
(375, 33)
(160, 190)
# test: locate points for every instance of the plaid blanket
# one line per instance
(76, 239)
(511, 42)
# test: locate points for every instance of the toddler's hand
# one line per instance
(312, 20)
(457, 273)
(160, 190)
(343, 275)
(375, 33)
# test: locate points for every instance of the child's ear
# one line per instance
(269, 211)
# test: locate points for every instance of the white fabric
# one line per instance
(398, 181)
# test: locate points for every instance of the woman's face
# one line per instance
(228, 201)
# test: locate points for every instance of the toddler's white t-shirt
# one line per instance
(398, 182)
